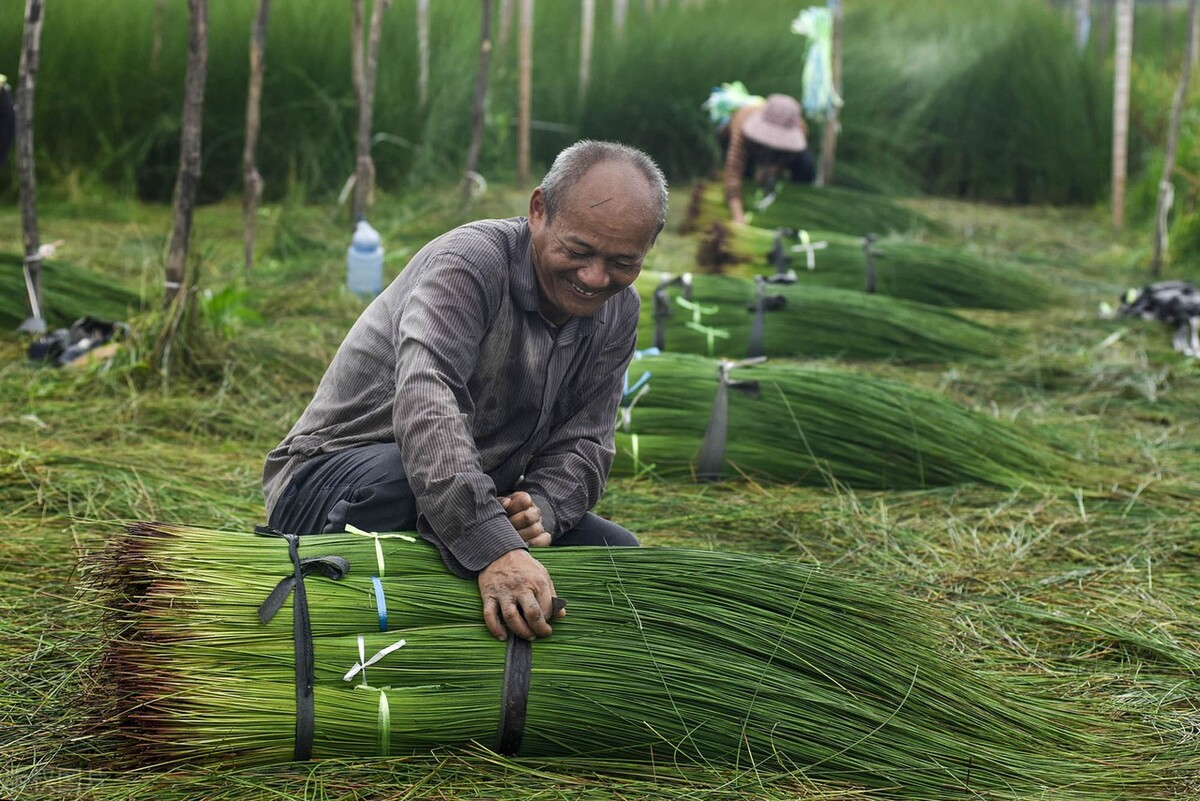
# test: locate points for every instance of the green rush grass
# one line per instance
(671, 655)
(818, 321)
(829, 208)
(68, 293)
(940, 276)
(817, 425)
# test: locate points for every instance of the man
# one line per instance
(475, 399)
(762, 140)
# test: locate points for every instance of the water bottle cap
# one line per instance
(365, 237)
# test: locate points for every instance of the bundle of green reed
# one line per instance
(905, 269)
(68, 293)
(827, 208)
(667, 655)
(812, 321)
(819, 426)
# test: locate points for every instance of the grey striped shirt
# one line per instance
(454, 362)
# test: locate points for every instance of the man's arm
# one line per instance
(441, 328)
(566, 477)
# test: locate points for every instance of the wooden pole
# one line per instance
(480, 99)
(189, 146)
(26, 81)
(251, 180)
(620, 14)
(1083, 23)
(506, 8)
(1124, 55)
(423, 52)
(156, 45)
(524, 89)
(833, 125)
(1166, 190)
(365, 69)
(586, 35)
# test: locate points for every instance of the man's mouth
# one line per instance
(581, 291)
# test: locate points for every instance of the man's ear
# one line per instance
(537, 205)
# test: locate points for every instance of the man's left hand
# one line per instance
(526, 518)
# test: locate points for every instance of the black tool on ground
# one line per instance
(871, 253)
(65, 345)
(662, 306)
(518, 662)
(761, 304)
(712, 448)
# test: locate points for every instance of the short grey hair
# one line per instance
(571, 164)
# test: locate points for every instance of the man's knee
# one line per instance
(595, 530)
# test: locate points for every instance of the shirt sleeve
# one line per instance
(566, 477)
(440, 331)
(735, 156)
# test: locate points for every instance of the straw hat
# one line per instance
(776, 124)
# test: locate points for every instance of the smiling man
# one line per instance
(475, 399)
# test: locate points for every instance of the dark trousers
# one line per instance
(368, 488)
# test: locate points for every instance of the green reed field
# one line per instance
(1085, 583)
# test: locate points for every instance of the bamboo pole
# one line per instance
(586, 35)
(26, 81)
(423, 53)
(620, 14)
(251, 179)
(480, 98)
(1166, 190)
(833, 125)
(524, 88)
(1124, 55)
(366, 66)
(189, 146)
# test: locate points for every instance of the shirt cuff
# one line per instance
(549, 516)
(475, 551)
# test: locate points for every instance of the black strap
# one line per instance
(333, 567)
(711, 458)
(755, 347)
(518, 664)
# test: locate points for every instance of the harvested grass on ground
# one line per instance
(822, 426)
(939, 276)
(818, 322)
(771, 663)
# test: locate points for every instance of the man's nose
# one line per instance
(593, 275)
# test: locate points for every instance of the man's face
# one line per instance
(596, 243)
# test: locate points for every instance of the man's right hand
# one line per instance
(516, 590)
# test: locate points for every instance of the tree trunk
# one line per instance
(156, 45)
(189, 146)
(253, 182)
(1083, 23)
(365, 69)
(586, 35)
(1195, 34)
(26, 80)
(1166, 191)
(524, 89)
(1124, 54)
(423, 52)
(477, 103)
(833, 125)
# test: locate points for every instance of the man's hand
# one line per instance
(526, 518)
(517, 591)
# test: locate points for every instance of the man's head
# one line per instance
(592, 222)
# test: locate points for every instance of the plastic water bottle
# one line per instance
(364, 261)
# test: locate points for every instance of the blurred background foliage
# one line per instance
(977, 99)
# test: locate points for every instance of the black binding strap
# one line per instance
(333, 567)
(518, 663)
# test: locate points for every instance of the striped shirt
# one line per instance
(484, 396)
